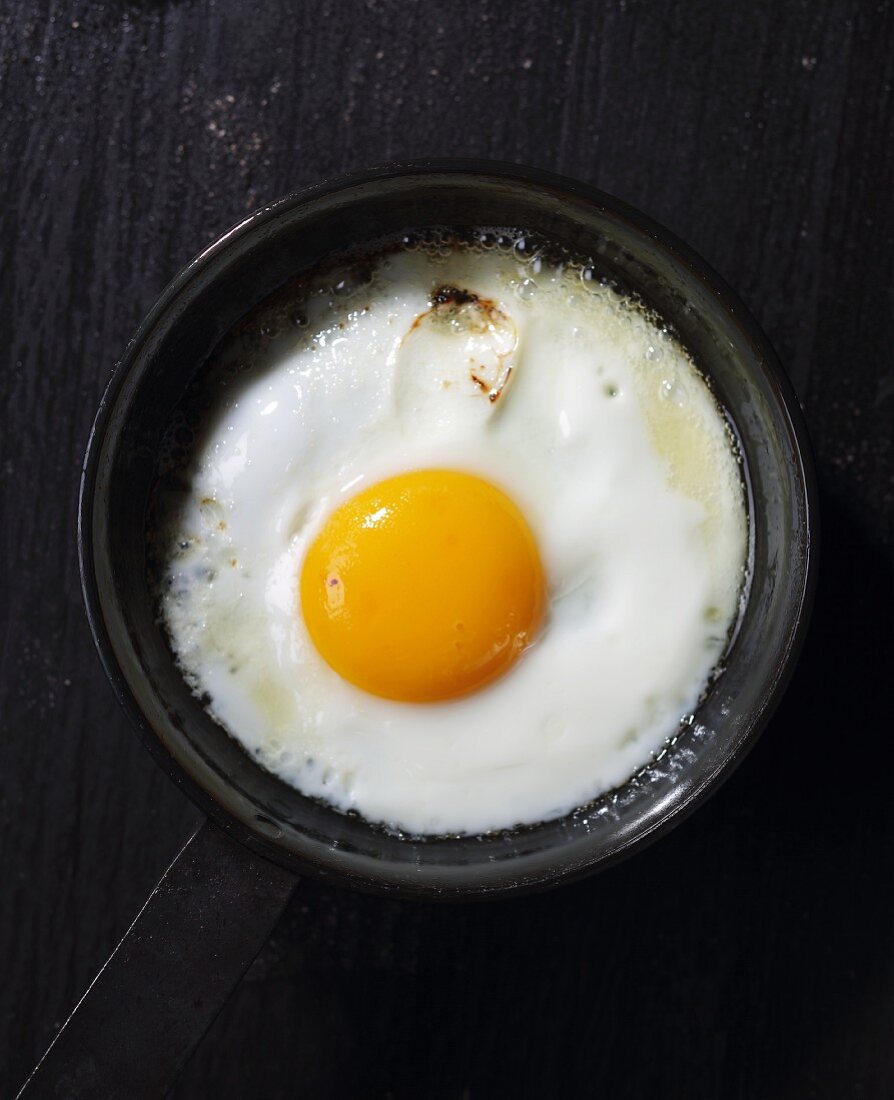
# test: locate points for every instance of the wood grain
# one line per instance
(749, 954)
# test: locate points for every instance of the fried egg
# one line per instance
(459, 548)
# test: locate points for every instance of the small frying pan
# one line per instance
(210, 914)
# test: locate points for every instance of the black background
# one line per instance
(748, 954)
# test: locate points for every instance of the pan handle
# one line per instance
(149, 1006)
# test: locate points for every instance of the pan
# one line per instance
(208, 917)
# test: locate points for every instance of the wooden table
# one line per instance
(748, 954)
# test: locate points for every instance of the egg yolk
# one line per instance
(423, 587)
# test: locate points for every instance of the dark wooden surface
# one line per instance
(748, 954)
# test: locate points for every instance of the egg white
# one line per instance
(604, 435)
